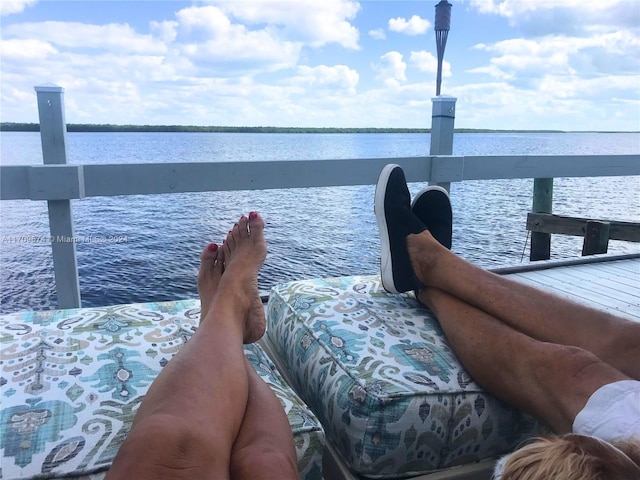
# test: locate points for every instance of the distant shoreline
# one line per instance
(80, 127)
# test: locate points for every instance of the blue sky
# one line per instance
(512, 64)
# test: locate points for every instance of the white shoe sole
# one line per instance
(386, 266)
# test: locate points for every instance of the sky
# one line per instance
(512, 64)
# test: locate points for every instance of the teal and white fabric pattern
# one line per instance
(72, 380)
(377, 371)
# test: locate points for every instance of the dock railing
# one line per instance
(58, 182)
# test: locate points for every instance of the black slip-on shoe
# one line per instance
(392, 206)
(433, 207)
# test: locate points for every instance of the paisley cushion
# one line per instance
(378, 372)
(71, 381)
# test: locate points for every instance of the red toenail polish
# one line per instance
(253, 215)
(243, 217)
(213, 247)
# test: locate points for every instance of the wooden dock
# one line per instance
(609, 283)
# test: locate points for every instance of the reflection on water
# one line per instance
(311, 232)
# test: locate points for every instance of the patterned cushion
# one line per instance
(378, 372)
(71, 381)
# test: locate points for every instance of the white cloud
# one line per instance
(391, 69)
(414, 26)
(215, 64)
(427, 62)
(308, 21)
(578, 63)
(26, 50)
(599, 54)
(7, 7)
(165, 30)
(208, 37)
(560, 103)
(536, 17)
(120, 38)
(378, 34)
(338, 77)
(492, 71)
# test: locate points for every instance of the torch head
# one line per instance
(443, 16)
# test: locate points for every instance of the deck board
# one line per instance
(587, 284)
(611, 286)
(596, 279)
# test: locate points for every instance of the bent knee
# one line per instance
(565, 362)
(569, 375)
(577, 362)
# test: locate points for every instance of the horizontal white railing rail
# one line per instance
(58, 182)
(64, 182)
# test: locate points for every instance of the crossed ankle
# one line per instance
(423, 251)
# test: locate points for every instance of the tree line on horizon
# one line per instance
(86, 127)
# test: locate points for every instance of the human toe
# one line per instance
(243, 227)
(209, 255)
(256, 223)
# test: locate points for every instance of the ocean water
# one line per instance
(310, 232)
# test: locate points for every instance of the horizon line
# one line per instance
(174, 128)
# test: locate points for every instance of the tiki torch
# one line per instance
(442, 24)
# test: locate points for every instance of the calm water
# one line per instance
(310, 232)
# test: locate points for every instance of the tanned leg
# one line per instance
(190, 418)
(536, 313)
(552, 382)
(264, 447)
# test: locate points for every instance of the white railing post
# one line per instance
(443, 114)
(53, 135)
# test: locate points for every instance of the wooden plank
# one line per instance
(620, 277)
(14, 182)
(591, 288)
(135, 179)
(626, 272)
(578, 294)
(549, 166)
(576, 226)
(585, 293)
(599, 278)
(584, 290)
(629, 269)
(56, 182)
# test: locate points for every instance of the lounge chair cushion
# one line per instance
(71, 381)
(378, 372)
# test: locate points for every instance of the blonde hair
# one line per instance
(574, 457)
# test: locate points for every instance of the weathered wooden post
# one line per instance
(53, 135)
(443, 114)
(596, 238)
(542, 203)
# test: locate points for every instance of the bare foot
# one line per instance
(229, 274)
